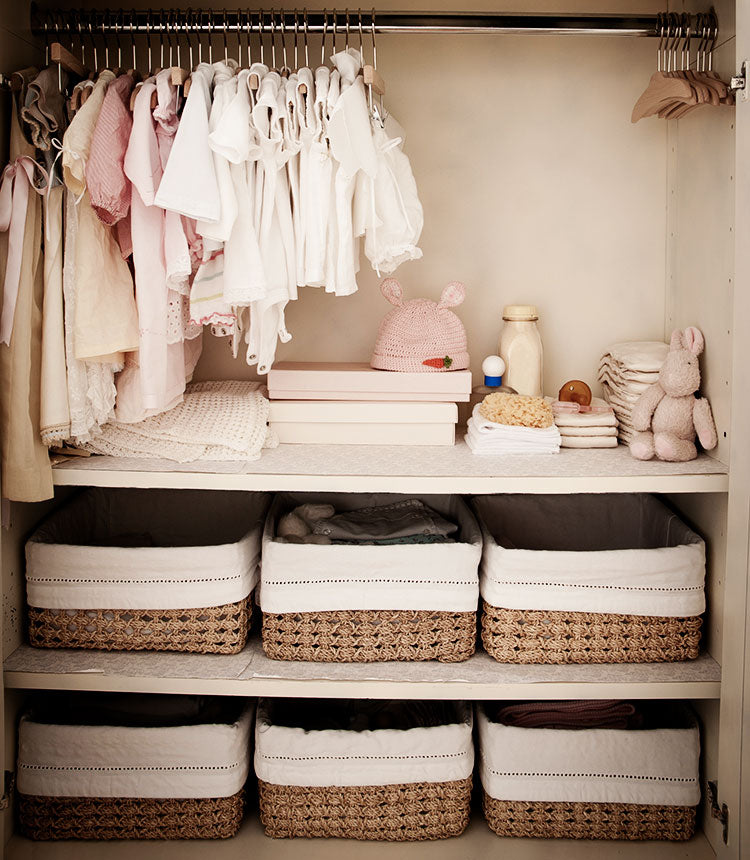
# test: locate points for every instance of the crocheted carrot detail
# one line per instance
(445, 362)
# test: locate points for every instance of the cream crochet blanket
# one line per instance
(215, 421)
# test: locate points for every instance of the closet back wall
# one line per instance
(536, 188)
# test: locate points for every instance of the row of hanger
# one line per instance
(682, 83)
(285, 43)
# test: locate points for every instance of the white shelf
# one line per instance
(478, 841)
(368, 468)
(251, 673)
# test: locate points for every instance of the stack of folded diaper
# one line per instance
(512, 424)
(625, 372)
(593, 426)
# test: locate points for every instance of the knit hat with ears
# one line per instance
(420, 336)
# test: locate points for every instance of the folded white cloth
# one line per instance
(216, 421)
(643, 356)
(488, 438)
(582, 432)
(588, 441)
(587, 419)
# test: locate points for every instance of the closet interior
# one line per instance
(536, 186)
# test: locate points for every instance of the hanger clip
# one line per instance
(738, 83)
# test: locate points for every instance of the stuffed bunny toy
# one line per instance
(668, 415)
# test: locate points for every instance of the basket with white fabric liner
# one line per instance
(113, 766)
(365, 603)
(592, 783)
(130, 569)
(396, 771)
(610, 578)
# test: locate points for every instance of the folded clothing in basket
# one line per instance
(405, 521)
(586, 714)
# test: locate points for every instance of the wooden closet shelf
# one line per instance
(366, 468)
(251, 673)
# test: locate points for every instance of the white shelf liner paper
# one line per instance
(252, 664)
(387, 460)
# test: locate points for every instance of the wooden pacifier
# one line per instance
(575, 391)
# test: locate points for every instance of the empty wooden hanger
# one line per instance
(664, 89)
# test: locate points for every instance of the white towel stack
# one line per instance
(625, 372)
(593, 429)
(488, 438)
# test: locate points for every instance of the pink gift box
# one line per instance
(299, 380)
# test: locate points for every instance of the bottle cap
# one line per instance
(520, 313)
(493, 368)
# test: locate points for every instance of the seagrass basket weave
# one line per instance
(129, 766)
(403, 812)
(616, 578)
(359, 602)
(366, 636)
(208, 630)
(130, 570)
(542, 636)
(105, 818)
(571, 820)
(589, 769)
(383, 770)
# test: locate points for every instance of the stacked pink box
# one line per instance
(353, 404)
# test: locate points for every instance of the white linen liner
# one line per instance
(667, 581)
(200, 761)
(336, 757)
(648, 766)
(76, 576)
(310, 578)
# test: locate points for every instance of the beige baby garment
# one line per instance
(26, 471)
(106, 320)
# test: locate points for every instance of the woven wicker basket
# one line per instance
(535, 636)
(209, 630)
(129, 817)
(563, 820)
(396, 813)
(366, 636)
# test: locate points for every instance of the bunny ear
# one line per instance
(452, 295)
(676, 341)
(693, 340)
(391, 289)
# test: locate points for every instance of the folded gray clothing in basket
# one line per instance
(405, 521)
(587, 714)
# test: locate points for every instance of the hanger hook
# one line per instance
(361, 35)
(282, 23)
(273, 39)
(323, 43)
(248, 31)
(210, 27)
(93, 45)
(226, 47)
(296, 38)
(346, 42)
(374, 47)
(80, 37)
(46, 42)
(304, 25)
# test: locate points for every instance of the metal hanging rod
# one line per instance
(166, 21)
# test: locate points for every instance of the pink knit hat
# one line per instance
(421, 336)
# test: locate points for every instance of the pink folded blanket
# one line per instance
(586, 714)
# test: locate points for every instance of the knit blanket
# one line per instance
(215, 421)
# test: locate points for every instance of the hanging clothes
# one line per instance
(26, 470)
(154, 380)
(106, 321)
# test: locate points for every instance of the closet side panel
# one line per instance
(700, 229)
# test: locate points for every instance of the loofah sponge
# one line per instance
(517, 410)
